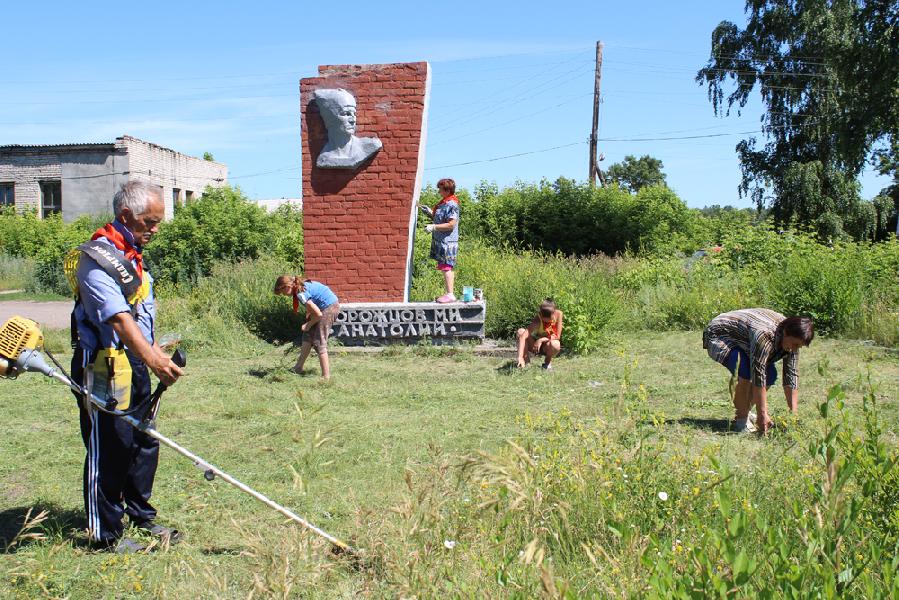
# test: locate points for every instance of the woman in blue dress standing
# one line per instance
(445, 234)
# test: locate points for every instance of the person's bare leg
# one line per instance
(523, 357)
(325, 363)
(742, 399)
(449, 278)
(304, 354)
(550, 350)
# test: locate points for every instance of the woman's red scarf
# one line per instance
(112, 234)
(450, 198)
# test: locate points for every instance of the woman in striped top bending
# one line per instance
(749, 343)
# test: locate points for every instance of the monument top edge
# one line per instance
(345, 69)
(401, 305)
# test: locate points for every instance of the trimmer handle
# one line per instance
(179, 358)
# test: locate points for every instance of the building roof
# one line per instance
(75, 146)
(119, 141)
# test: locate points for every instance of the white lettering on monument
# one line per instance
(397, 323)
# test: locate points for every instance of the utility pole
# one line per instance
(594, 135)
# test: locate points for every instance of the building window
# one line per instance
(189, 195)
(7, 195)
(176, 197)
(51, 198)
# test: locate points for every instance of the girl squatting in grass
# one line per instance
(749, 343)
(542, 336)
(322, 309)
(445, 234)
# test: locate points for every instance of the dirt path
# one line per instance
(50, 315)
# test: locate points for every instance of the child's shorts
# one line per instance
(318, 335)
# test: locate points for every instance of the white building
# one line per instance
(271, 205)
(79, 179)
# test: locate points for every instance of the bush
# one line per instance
(578, 220)
(48, 273)
(286, 225)
(222, 225)
(21, 234)
(825, 284)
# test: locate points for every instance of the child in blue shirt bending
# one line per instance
(322, 308)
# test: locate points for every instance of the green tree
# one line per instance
(208, 156)
(828, 73)
(634, 173)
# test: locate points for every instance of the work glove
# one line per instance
(429, 228)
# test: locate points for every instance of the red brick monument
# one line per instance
(357, 221)
(363, 155)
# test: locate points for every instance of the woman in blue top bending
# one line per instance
(322, 309)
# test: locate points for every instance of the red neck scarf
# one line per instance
(549, 326)
(450, 198)
(112, 234)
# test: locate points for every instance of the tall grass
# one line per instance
(516, 282)
(232, 307)
(611, 507)
(849, 291)
(15, 272)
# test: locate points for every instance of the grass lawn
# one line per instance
(356, 456)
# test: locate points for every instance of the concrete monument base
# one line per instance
(381, 323)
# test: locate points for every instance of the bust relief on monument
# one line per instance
(344, 150)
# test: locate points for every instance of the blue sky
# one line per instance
(507, 79)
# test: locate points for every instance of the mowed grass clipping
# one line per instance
(399, 455)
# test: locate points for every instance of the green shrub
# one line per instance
(825, 284)
(222, 225)
(576, 219)
(21, 233)
(286, 225)
(48, 274)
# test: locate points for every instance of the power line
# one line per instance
(501, 104)
(542, 110)
(662, 67)
(523, 80)
(152, 120)
(486, 160)
(155, 100)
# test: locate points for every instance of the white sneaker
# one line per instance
(741, 426)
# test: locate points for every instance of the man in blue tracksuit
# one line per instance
(115, 334)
